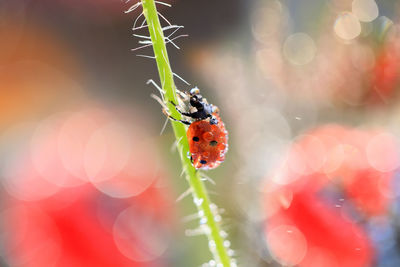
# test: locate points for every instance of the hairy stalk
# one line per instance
(200, 195)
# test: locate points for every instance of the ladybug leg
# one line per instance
(165, 108)
(197, 115)
(194, 115)
(172, 118)
(183, 96)
(160, 101)
(188, 114)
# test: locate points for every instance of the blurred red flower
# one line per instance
(85, 189)
(83, 227)
(332, 176)
(324, 237)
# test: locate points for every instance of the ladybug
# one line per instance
(207, 136)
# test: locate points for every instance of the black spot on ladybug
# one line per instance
(203, 161)
(191, 159)
(213, 143)
(196, 139)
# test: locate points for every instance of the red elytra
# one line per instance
(208, 143)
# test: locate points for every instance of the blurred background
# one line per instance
(308, 90)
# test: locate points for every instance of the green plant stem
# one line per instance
(202, 201)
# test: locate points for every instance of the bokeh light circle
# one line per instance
(106, 152)
(19, 176)
(307, 156)
(299, 49)
(287, 244)
(382, 152)
(72, 140)
(347, 26)
(365, 10)
(75, 134)
(138, 236)
(44, 152)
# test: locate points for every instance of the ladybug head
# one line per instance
(194, 91)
